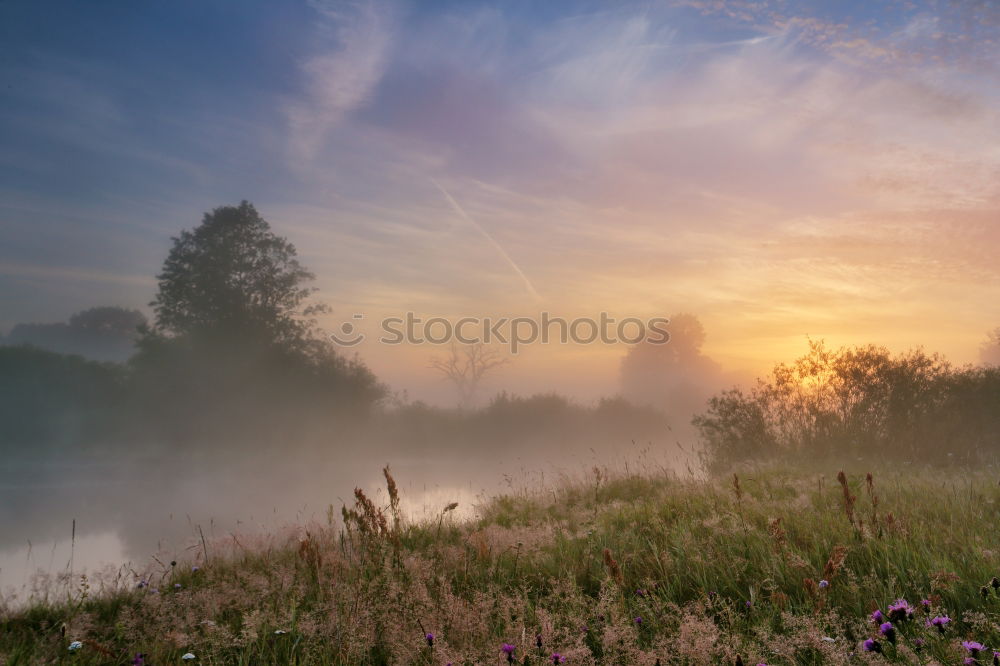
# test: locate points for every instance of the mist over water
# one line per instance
(133, 507)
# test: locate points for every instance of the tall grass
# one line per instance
(772, 564)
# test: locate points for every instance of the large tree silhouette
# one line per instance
(233, 277)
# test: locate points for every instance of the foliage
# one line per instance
(616, 568)
(858, 401)
(52, 399)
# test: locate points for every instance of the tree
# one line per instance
(234, 352)
(674, 374)
(989, 352)
(106, 333)
(233, 278)
(465, 366)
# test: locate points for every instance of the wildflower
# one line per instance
(509, 650)
(900, 610)
(429, 638)
(918, 643)
(823, 584)
(973, 647)
(75, 645)
(177, 586)
(940, 621)
(749, 604)
(887, 630)
(996, 659)
(584, 629)
(187, 656)
(640, 592)
(280, 632)
(926, 603)
(140, 660)
(194, 569)
(877, 617)
(142, 584)
(538, 641)
(638, 621)
(872, 645)
(557, 658)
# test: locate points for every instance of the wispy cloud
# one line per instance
(355, 43)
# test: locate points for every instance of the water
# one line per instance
(128, 511)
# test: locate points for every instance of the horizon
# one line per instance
(804, 171)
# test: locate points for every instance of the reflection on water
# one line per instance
(127, 512)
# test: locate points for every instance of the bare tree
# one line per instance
(465, 366)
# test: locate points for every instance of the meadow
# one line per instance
(768, 564)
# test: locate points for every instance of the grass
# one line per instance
(611, 569)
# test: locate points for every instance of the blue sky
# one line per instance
(781, 169)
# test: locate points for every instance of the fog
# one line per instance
(119, 467)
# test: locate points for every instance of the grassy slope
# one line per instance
(710, 571)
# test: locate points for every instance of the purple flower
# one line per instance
(871, 645)
(970, 661)
(509, 650)
(538, 641)
(557, 658)
(940, 621)
(973, 647)
(177, 586)
(877, 617)
(194, 569)
(900, 610)
(429, 637)
(140, 660)
(918, 643)
(887, 630)
(926, 603)
(823, 584)
(638, 621)
(142, 584)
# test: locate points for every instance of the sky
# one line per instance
(783, 170)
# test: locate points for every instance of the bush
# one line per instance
(858, 401)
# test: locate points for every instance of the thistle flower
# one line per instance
(889, 631)
(973, 647)
(140, 660)
(638, 621)
(195, 569)
(926, 603)
(557, 658)
(940, 621)
(918, 643)
(900, 610)
(177, 586)
(877, 617)
(538, 641)
(872, 645)
(996, 659)
(823, 584)
(429, 637)
(75, 645)
(509, 650)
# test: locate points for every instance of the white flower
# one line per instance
(187, 656)
(75, 645)
(279, 632)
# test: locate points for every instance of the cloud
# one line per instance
(341, 77)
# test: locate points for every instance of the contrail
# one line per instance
(465, 216)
